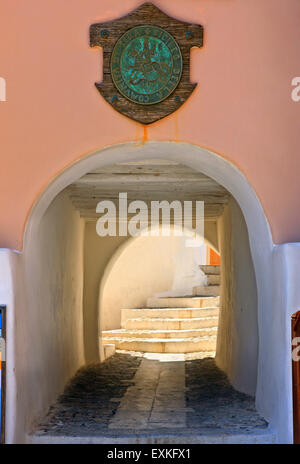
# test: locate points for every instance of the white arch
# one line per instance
(273, 398)
(201, 159)
(117, 254)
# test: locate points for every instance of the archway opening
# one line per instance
(160, 271)
(63, 244)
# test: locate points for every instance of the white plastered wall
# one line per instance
(237, 344)
(144, 267)
(276, 269)
(48, 322)
(97, 253)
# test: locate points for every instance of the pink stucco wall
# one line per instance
(241, 109)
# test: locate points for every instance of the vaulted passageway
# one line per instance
(149, 270)
(145, 296)
(72, 266)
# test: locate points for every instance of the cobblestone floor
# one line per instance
(91, 398)
(141, 393)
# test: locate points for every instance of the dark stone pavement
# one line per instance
(216, 404)
(93, 396)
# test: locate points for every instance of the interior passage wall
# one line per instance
(97, 253)
(144, 268)
(237, 345)
(49, 327)
(211, 234)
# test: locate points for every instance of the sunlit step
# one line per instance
(210, 269)
(169, 313)
(155, 345)
(208, 290)
(138, 333)
(171, 324)
(213, 279)
(183, 302)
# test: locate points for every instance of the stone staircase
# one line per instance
(171, 325)
(213, 282)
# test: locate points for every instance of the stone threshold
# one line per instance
(186, 436)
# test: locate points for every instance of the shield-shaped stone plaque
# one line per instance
(146, 62)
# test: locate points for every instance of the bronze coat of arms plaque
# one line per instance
(146, 62)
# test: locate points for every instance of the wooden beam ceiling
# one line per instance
(147, 181)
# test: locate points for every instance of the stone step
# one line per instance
(169, 313)
(157, 345)
(186, 333)
(209, 269)
(213, 279)
(170, 324)
(187, 435)
(109, 350)
(208, 290)
(183, 302)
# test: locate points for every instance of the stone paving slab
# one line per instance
(130, 419)
(162, 406)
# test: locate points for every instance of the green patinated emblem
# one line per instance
(146, 65)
